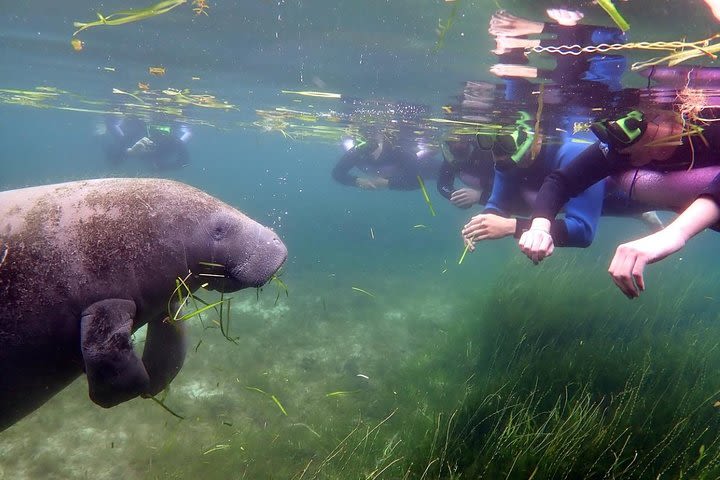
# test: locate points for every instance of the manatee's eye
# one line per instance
(220, 226)
(219, 231)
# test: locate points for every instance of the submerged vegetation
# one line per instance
(558, 386)
(524, 382)
(566, 386)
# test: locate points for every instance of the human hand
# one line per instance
(628, 264)
(506, 44)
(503, 23)
(569, 18)
(537, 243)
(372, 183)
(143, 145)
(714, 8)
(509, 70)
(465, 197)
(487, 226)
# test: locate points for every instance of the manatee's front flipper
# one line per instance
(115, 374)
(164, 353)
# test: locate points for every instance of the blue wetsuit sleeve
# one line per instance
(446, 180)
(505, 190)
(582, 214)
(341, 172)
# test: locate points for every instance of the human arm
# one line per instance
(487, 226)
(576, 229)
(465, 197)
(446, 179)
(341, 171)
(628, 264)
(493, 222)
(576, 176)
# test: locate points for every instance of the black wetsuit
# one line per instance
(400, 167)
(168, 151)
(596, 163)
(475, 170)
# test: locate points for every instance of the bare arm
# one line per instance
(630, 258)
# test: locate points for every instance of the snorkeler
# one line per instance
(659, 141)
(385, 166)
(517, 179)
(161, 146)
(474, 167)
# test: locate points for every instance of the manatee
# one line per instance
(84, 264)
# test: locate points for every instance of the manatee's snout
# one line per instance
(266, 258)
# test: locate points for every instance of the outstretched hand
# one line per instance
(465, 197)
(487, 226)
(143, 145)
(628, 264)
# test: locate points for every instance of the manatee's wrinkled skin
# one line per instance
(84, 264)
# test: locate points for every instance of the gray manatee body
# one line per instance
(84, 264)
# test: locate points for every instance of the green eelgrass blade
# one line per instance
(341, 393)
(273, 397)
(611, 10)
(199, 311)
(462, 257)
(277, 402)
(168, 409)
(425, 195)
(358, 289)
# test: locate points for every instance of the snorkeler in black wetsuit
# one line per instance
(474, 167)
(385, 166)
(160, 146)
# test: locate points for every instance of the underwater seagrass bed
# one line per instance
(523, 382)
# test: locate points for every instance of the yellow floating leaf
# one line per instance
(157, 71)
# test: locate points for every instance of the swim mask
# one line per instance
(515, 144)
(622, 132)
(159, 129)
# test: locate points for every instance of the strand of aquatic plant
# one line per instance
(425, 195)
(271, 396)
(281, 286)
(462, 257)
(128, 16)
(341, 393)
(183, 298)
(444, 27)
(167, 409)
(358, 289)
(309, 93)
(611, 10)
